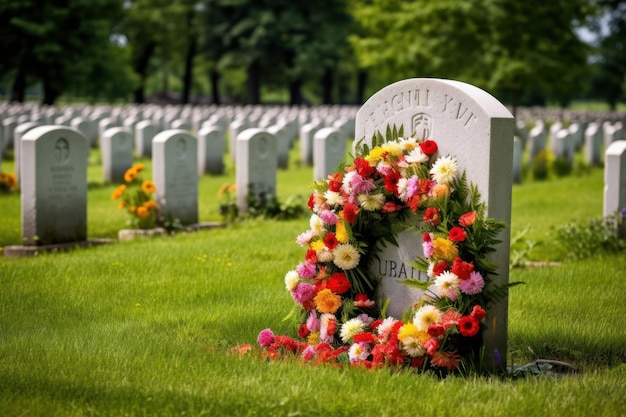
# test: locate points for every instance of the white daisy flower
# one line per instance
(444, 170)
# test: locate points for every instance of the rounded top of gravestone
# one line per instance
(326, 132)
(616, 148)
(166, 135)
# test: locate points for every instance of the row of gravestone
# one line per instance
(466, 122)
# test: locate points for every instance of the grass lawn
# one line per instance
(146, 327)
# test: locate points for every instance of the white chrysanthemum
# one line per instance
(393, 148)
(316, 224)
(407, 144)
(444, 170)
(413, 347)
(351, 328)
(384, 328)
(347, 180)
(333, 198)
(429, 271)
(402, 186)
(346, 256)
(416, 156)
(292, 279)
(324, 255)
(358, 353)
(371, 202)
(447, 284)
(426, 316)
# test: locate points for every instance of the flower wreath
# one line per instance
(365, 205)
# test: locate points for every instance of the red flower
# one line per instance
(363, 167)
(436, 330)
(362, 300)
(462, 269)
(331, 241)
(468, 219)
(311, 202)
(440, 267)
(311, 256)
(390, 207)
(425, 185)
(303, 331)
(469, 326)
(374, 325)
(426, 237)
(334, 181)
(457, 234)
(429, 147)
(365, 338)
(478, 313)
(431, 216)
(414, 202)
(418, 362)
(349, 212)
(391, 182)
(431, 346)
(338, 283)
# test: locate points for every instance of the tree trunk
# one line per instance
(295, 92)
(327, 86)
(188, 77)
(215, 90)
(18, 90)
(253, 87)
(141, 68)
(360, 88)
(51, 92)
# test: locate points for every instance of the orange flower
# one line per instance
(444, 249)
(130, 175)
(121, 205)
(150, 204)
(148, 187)
(118, 192)
(139, 167)
(143, 212)
(327, 302)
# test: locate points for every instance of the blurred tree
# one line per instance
(57, 42)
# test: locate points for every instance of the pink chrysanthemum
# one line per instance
(265, 338)
(329, 217)
(361, 185)
(473, 285)
(306, 270)
(312, 322)
(303, 292)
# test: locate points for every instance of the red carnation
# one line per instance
(431, 216)
(391, 181)
(363, 167)
(334, 186)
(311, 256)
(457, 234)
(429, 147)
(303, 331)
(478, 313)
(311, 202)
(468, 219)
(338, 283)
(374, 325)
(331, 241)
(414, 202)
(426, 237)
(462, 269)
(365, 338)
(349, 212)
(418, 362)
(436, 330)
(469, 326)
(440, 267)
(390, 207)
(425, 185)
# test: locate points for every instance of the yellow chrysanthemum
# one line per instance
(374, 156)
(393, 148)
(317, 244)
(444, 249)
(118, 192)
(327, 302)
(314, 338)
(341, 233)
(148, 187)
(408, 330)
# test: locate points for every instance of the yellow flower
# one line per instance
(327, 302)
(132, 209)
(375, 155)
(313, 338)
(317, 244)
(444, 249)
(143, 212)
(426, 316)
(393, 148)
(130, 175)
(408, 330)
(148, 187)
(341, 233)
(440, 190)
(118, 192)
(139, 167)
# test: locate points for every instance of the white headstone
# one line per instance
(145, 131)
(593, 144)
(54, 185)
(517, 159)
(257, 162)
(211, 150)
(475, 128)
(175, 175)
(537, 138)
(86, 127)
(19, 131)
(614, 178)
(282, 144)
(307, 133)
(329, 149)
(116, 146)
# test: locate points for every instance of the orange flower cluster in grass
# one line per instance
(135, 197)
(8, 182)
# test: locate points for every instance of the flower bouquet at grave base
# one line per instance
(228, 202)
(135, 197)
(8, 182)
(363, 207)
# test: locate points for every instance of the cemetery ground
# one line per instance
(147, 327)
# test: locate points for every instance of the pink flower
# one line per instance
(450, 318)
(306, 270)
(361, 185)
(361, 300)
(304, 238)
(431, 346)
(428, 248)
(468, 219)
(312, 322)
(265, 338)
(303, 292)
(473, 285)
(329, 217)
(308, 353)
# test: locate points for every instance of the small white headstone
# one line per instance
(211, 150)
(54, 185)
(593, 144)
(145, 131)
(307, 133)
(116, 146)
(329, 149)
(257, 162)
(175, 175)
(614, 178)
